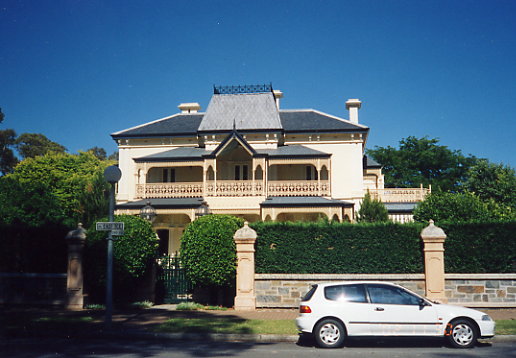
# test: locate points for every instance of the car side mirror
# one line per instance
(423, 303)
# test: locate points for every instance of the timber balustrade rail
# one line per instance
(233, 188)
(400, 195)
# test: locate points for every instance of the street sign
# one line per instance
(110, 226)
(117, 232)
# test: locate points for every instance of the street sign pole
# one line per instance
(109, 273)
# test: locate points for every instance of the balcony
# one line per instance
(233, 188)
(400, 195)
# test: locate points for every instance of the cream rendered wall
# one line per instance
(347, 182)
(126, 154)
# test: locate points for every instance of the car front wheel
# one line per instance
(462, 334)
(329, 333)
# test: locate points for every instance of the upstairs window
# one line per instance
(169, 175)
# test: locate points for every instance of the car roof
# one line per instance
(334, 283)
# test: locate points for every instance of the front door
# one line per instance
(397, 312)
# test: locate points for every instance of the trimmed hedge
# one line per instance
(338, 248)
(381, 248)
(480, 247)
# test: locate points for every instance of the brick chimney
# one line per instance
(353, 105)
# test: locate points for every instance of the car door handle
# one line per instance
(379, 309)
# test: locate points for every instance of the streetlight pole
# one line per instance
(112, 175)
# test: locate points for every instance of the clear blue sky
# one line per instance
(79, 70)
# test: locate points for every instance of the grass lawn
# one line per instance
(504, 327)
(241, 326)
(228, 325)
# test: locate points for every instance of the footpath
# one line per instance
(142, 323)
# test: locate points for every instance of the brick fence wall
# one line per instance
(474, 290)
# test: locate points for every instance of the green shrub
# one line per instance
(381, 248)
(372, 210)
(338, 248)
(480, 247)
(133, 256)
(208, 250)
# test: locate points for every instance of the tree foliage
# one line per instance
(208, 250)
(133, 256)
(56, 187)
(493, 182)
(100, 153)
(459, 207)
(372, 210)
(422, 161)
(7, 158)
(31, 145)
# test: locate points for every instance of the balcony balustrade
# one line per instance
(299, 188)
(400, 195)
(233, 188)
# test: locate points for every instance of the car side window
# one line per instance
(391, 295)
(345, 293)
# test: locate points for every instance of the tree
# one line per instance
(100, 153)
(134, 253)
(422, 161)
(7, 159)
(459, 207)
(30, 145)
(56, 187)
(493, 181)
(372, 210)
(7, 140)
(208, 250)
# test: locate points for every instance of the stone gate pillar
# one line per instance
(245, 239)
(74, 282)
(433, 241)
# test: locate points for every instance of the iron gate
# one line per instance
(177, 287)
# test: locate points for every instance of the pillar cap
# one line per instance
(245, 232)
(432, 232)
(79, 233)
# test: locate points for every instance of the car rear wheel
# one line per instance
(462, 334)
(329, 333)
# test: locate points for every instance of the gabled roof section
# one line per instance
(310, 120)
(234, 137)
(181, 124)
(246, 111)
(183, 153)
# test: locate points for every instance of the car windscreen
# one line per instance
(345, 293)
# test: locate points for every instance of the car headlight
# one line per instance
(486, 318)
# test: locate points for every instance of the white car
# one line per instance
(334, 311)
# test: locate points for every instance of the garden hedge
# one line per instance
(322, 247)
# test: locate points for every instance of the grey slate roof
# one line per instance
(172, 203)
(400, 207)
(176, 125)
(250, 111)
(293, 151)
(183, 153)
(303, 201)
(310, 120)
(369, 162)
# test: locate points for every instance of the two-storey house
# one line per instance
(247, 157)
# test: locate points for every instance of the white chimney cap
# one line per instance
(277, 94)
(189, 107)
(353, 102)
